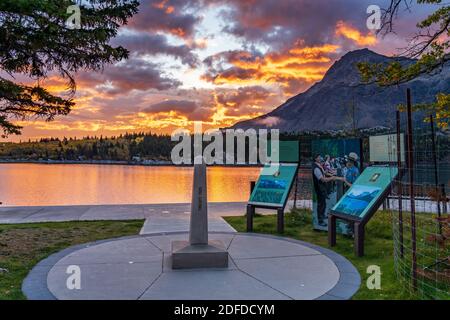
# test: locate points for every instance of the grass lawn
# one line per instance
(378, 248)
(24, 245)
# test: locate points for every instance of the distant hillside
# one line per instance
(327, 104)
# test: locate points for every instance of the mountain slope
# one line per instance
(326, 105)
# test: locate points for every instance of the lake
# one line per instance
(76, 184)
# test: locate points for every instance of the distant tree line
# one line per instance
(137, 147)
(125, 147)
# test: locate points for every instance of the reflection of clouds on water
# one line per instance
(43, 184)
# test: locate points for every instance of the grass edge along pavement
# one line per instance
(379, 248)
(22, 246)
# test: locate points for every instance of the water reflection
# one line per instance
(55, 184)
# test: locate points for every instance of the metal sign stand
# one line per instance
(359, 224)
(359, 228)
(280, 209)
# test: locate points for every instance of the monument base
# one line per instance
(187, 256)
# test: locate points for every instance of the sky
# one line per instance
(216, 61)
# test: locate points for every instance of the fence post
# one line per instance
(295, 191)
(435, 164)
(411, 189)
(399, 185)
(444, 196)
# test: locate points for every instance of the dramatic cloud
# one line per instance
(179, 106)
(292, 69)
(133, 74)
(349, 32)
(281, 23)
(156, 44)
(166, 16)
(235, 99)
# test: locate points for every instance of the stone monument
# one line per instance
(198, 252)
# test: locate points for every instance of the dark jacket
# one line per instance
(320, 187)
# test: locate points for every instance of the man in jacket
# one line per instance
(320, 180)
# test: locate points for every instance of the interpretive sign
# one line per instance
(361, 202)
(289, 151)
(384, 148)
(366, 192)
(274, 184)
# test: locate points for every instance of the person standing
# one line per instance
(320, 180)
(327, 166)
(351, 170)
(350, 175)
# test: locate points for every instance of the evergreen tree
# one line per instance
(35, 41)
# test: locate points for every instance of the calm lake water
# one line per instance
(74, 184)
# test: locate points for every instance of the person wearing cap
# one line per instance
(351, 170)
(320, 180)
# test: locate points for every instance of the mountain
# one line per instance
(326, 105)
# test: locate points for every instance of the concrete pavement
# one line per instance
(262, 267)
(32, 214)
(138, 267)
(112, 212)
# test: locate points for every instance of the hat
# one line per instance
(353, 156)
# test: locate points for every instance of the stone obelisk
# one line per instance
(199, 207)
(198, 252)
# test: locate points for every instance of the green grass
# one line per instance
(23, 245)
(378, 248)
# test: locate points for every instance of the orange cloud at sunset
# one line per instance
(164, 6)
(292, 69)
(349, 32)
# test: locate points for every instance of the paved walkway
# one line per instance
(181, 223)
(120, 212)
(261, 267)
(159, 218)
(112, 212)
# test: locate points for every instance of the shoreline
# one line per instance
(153, 163)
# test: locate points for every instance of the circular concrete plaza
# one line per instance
(261, 267)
